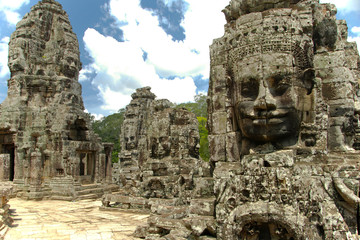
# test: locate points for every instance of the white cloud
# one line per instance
(357, 40)
(170, 58)
(121, 67)
(4, 49)
(13, 4)
(85, 72)
(10, 7)
(345, 5)
(96, 116)
(355, 30)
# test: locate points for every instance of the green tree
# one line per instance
(204, 142)
(199, 106)
(109, 128)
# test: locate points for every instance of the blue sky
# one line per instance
(126, 44)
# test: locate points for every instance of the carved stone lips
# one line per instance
(267, 121)
(268, 117)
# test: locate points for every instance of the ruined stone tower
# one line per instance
(46, 145)
(159, 165)
(284, 119)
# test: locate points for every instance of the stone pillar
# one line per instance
(35, 175)
(101, 168)
(19, 165)
(108, 148)
(36, 168)
(4, 167)
(98, 158)
(108, 174)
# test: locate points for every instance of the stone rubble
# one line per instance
(6, 220)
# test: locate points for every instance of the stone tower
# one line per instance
(46, 145)
(284, 122)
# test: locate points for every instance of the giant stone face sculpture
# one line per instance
(265, 105)
(270, 77)
(283, 100)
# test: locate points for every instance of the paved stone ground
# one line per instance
(60, 220)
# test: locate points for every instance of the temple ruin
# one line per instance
(283, 107)
(284, 130)
(159, 161)
(47, 148)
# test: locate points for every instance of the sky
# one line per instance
(127, 44)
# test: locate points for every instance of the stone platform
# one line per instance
(57, 220)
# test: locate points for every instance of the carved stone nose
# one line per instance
(261, 103)
(264, 100)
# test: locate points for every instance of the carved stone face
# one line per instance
(70, 67)
(16, 61)
(130, 135)
(268, 97)
(160, 147)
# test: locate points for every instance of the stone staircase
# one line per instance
(94, 191)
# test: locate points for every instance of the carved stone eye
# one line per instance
(250, 88)
(279, 84)
(231, 203)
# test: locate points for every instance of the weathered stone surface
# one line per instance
(5, 216)
(292, 98)
(46, 142)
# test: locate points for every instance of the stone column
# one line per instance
(19, 165)
(98, 157)
(35, 175)
(36, 168)
(108, 174)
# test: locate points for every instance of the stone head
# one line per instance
(270, 95)
(130, 134)
(270, 74)
(16, 61)
(70, 65)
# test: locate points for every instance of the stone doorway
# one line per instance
(265, 231)
(87, 167)
(7, 157)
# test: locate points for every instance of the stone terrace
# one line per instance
(60, 220)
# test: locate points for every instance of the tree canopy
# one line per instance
(109, 128)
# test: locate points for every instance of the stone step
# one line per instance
(112, 188)
(91, 191)
(86, 186)
(61, 193)
(62, 198)
(88, 196)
